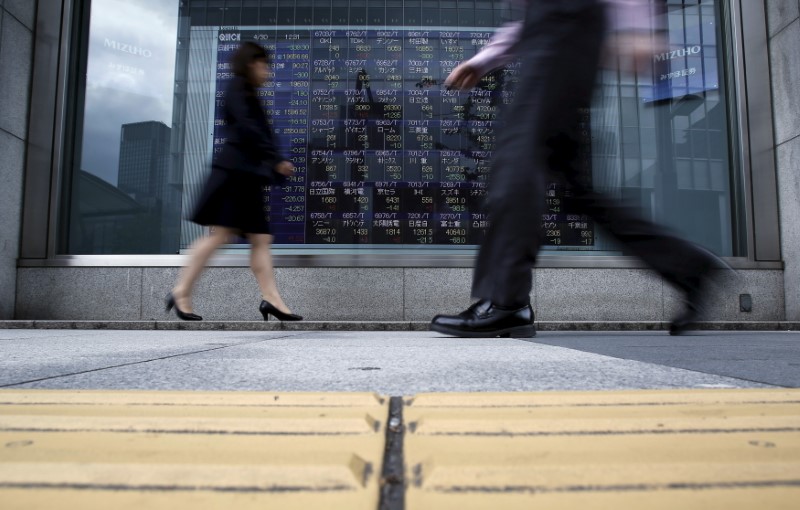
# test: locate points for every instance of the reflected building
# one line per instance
(144, 175)
(110, 221)
(144, 159)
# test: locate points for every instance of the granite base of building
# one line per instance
(229, 295)
(378, 326)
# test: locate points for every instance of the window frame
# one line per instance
(59, 41)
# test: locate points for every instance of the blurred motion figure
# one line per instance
(560, 44)
(232, 200)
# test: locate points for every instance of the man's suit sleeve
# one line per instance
(631, 15)
(500, 50)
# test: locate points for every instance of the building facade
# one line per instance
(112, 112)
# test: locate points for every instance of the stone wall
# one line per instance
(784, 42)
(17, 21)
(380, 294)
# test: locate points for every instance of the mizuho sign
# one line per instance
(128, 48)
(681, 53)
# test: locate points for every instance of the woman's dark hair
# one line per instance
(247, 53)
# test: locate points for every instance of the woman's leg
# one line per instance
(201, 251)
(261, 264)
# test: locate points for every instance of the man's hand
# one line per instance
(633, 52)
(463, 77)
(285, 168)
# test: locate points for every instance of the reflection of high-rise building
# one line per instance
(144, 159)
(144, 163)
(193, 115)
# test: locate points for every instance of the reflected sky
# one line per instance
(130, 75)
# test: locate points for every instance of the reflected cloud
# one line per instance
(103, 122)
(130, 75)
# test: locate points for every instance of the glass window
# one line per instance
(449, 17)
(430, 17)
(674, 133)
(215, 13)
(411, 15)
(267, 15)
(125, 193)
(377, 14)
(385, 156)
(394, 17)
(322, 14)
(232, 13)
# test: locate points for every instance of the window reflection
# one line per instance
(126, 192)
(148, 125)
(671, 132)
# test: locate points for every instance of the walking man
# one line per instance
(560, 44)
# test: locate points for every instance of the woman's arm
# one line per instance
(247, 129)
(253, 133)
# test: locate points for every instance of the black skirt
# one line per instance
(235, 200)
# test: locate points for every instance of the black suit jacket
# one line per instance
(250, 145)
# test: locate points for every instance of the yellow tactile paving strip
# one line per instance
(731, 449)
(172, 450)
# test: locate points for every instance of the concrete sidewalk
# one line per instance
(394, 363)
(703, 421)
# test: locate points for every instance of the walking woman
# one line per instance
(232, 201)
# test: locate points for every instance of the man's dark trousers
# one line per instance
(560, 52)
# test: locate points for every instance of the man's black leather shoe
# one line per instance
(484, 319)
(683, 323)
(696, 297)
(698, 292)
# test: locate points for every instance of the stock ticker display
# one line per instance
(384, 153)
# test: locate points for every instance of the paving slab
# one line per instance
(390, 363)
(28, 355)
(766, 357)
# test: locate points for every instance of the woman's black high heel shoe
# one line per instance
(266, 309)
(169, 303)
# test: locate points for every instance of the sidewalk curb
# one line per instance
(586, 326)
